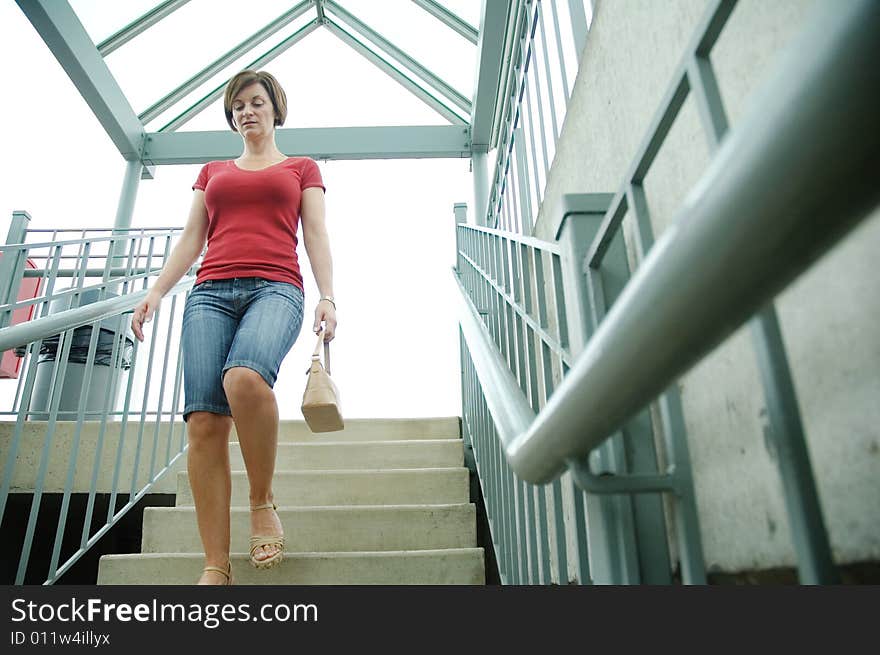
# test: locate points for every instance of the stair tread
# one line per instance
(388, 443)
(427, 470)
(340, 508)
(330, 554)
(444, 566)
(311, 487)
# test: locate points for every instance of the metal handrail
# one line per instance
(42, 328)
(72, 373)
(766, 209)
(508, 405)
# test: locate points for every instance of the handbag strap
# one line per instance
(316, 356)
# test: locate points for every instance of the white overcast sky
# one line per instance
(390, 222)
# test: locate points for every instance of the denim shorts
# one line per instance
(248, 322)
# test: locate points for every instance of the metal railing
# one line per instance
(547, 41)
(92, 412)
(817, 106)
(503, 276)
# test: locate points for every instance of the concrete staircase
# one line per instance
(385, 501)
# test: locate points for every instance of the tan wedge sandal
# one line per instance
(274, 540)
(227, 572)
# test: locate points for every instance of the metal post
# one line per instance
(811, 542)
(12, 264)
(609, 520)
(125, 209)
(581, 217)
(460, 211)
(578, 25)
(479, 161)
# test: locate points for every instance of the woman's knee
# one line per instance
(242, 383)
(207, 426)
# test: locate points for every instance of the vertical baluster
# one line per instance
(558, 34)
(525, 192)
(539, 101)
(538, 174)
(548, 72)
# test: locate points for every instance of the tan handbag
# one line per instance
(320, 405)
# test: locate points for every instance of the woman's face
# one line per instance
(252, 111)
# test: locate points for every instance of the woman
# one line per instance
(244, 313)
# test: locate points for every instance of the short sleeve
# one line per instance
(311, 176)
(202, 179)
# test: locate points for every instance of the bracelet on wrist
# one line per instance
(328, 299)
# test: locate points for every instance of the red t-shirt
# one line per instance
(253, 218)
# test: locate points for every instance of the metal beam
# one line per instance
(494, 59)
(256, 64)
(389, 48)
(138, 26)
(222, 62)
(449, 19)
(394, 73)
(407, 142)
(61, 30)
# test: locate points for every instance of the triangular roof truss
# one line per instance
(471, 120)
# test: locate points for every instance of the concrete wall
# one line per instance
(829, 316)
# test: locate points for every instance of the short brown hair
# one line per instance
(248, 77)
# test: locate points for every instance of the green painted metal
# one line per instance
(492, 68)
(713, 233)
(450, 19)
(125, 208)
(395, 73)
(499, 271)
(786, 431)
(549, 77)
(508, 407)
(223, 61)
(396, 53)
(525, 184)
(518, 521)
(507, 121)
(606, 531)
(138, 265)
(404, 142)
(138, 26)
(480, 165)
(258, 63)
(578, 24)
(538, 172)
(635, 454)
(62, 32)
(12, 265)
(557, 34)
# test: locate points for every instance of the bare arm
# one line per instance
(317, 244)
(181, 259)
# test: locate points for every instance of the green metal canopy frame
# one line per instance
(473, 121)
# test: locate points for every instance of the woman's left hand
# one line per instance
(325, 313)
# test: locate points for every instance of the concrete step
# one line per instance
(362, 429)
(352, 487)
(336, 455)
(342, 529)
(93, 436)
(430, 567)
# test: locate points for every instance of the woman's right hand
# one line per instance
(144, 312)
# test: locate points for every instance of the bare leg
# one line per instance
(207, 462)
(256, 422)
